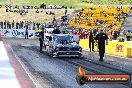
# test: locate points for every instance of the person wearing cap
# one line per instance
(100, 39)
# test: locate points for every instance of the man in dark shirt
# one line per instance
(5, 24)
(26, 34)
(94, 32)
(38, 24)
(21, 24)
(13, 24)
(41, 39)
(91, 41)
(101, 38)
(43, 6)
(65, 11)
(1, 24)
(9, 25)
(115, 35)
(54, 22)
(17, 25)
(56, 31)
(26, 31)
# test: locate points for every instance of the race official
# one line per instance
(41, 39)
(101, 38)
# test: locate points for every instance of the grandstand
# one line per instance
(110, 18)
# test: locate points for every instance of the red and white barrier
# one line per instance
(7, 74)
(12, 75)
(0, 38)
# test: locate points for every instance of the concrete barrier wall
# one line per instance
(123, 49)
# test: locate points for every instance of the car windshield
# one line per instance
(68, 39)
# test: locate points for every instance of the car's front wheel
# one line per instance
(53, 55)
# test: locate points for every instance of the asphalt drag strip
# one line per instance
(47, 72)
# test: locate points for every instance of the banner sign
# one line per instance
(18, 33)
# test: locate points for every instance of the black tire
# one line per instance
(51, 54)
(46, 52)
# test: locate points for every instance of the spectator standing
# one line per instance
(1, 24)
(26, 34)
(94, 32)
(91, 41)
(54, 22)
(43, 6)
(110, 35)
(124, 33)
(115, 35)
(17, 25)
(65, 11)
(86, 34)
(34, 26)
(38, 24)
(128, 35)
(118, 33)
(9, 25)
(13, 24)
(21, 24)
(27, 25)
(41, 39)
(5, 24)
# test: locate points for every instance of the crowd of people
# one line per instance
(124, 35)
(96, 18)
(19, 25)
(25, 9)
(100, 17)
